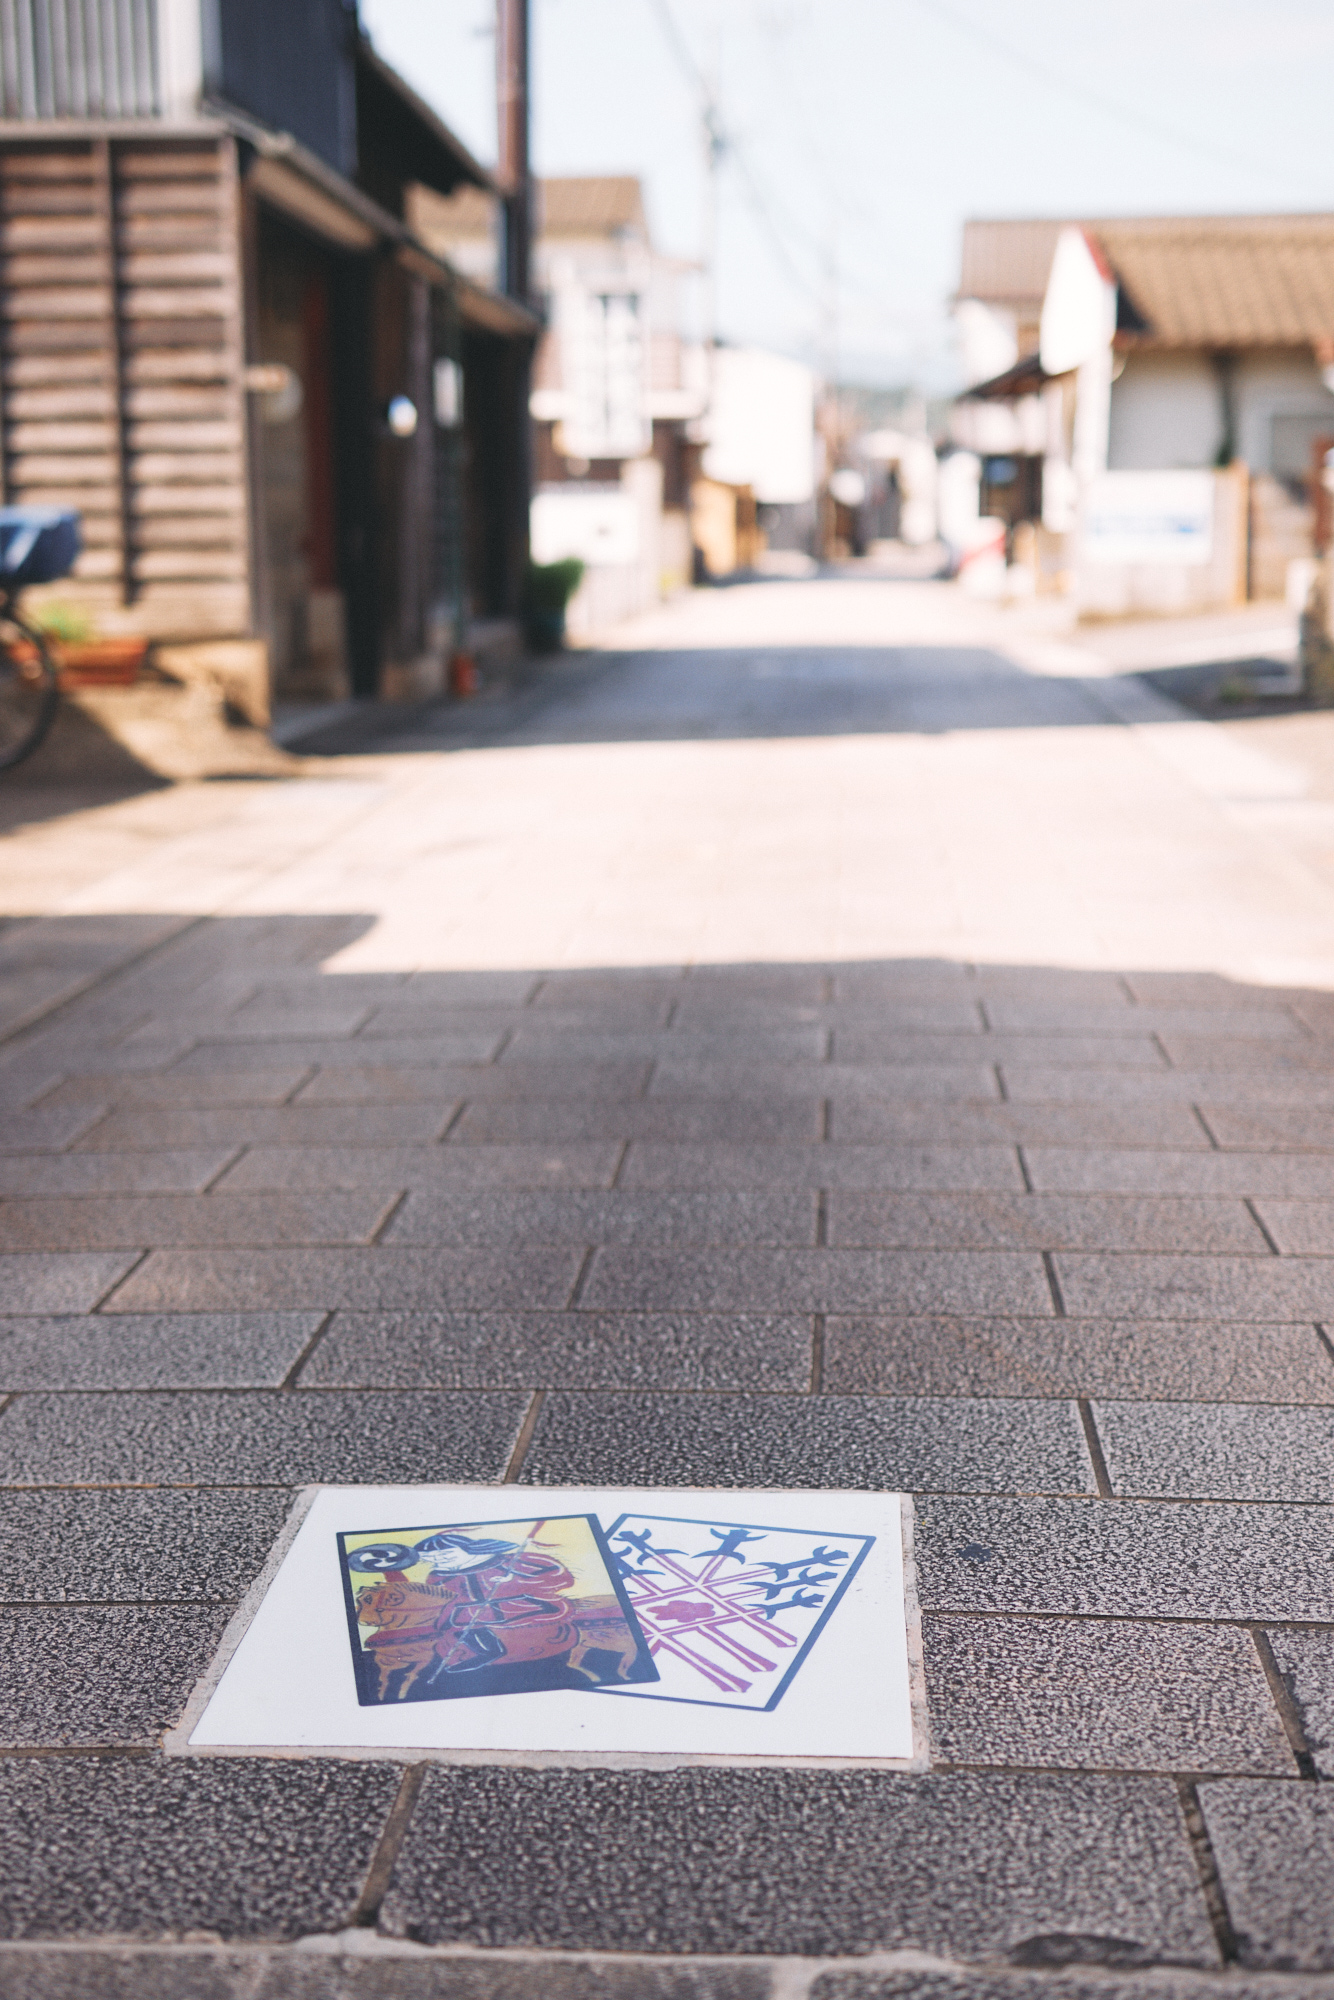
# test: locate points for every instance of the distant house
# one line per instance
(1207, 343)
(296, 435)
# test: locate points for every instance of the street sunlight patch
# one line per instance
(576, 1625)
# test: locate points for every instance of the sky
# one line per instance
(863, 133)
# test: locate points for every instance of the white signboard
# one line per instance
(604, 363)
(1149, 517)
(762, 425)
(515, 1623)
(599, 524)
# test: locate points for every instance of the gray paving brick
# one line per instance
(1224, 1088)
(465, 1170)
(950, 1445)
(686, 1076)
(109, 1173)
(1053, 985)
(427, 1052)
(256, 1437)
(1098, 1694)
(93, 1222)
(46, 1131)
(119, 1547)
(1136, 1287)
(795, 1862)
(276, 1024)
(294, 1278)
(153, 1351)
(121, 1674)
(290, 1125)
(680, 1216)
(1125, 1559)
(1274, 1844)
(174, 1091)
(1298, 1127)
(1070, 1170)
(1041, 1222)
(1300, 1228)
(1277, 1053)
(578, 1350)
(1218, 1451)
(693, 1121)
(792, 1280)
(944, 1168)
(1035, 1017)
(878, 1043)
(143, 1847)
(867, 1123)
(1209, 990)
(374, 1080)
(60, 1281)
(1306, 1662)
(541, 1042)
(1195, 1361)
(1091, 1980)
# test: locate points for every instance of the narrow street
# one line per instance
(847, 1037)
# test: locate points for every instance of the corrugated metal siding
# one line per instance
(120, 370)
(78, 58)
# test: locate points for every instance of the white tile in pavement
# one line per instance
(577, 1623)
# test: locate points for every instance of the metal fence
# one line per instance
(78, 58)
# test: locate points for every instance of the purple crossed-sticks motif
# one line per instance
(727, 1606)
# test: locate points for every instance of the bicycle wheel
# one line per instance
(28, 690)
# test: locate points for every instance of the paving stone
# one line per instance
(686, 1076)
(277, 1024)
(794, 1280)
(1207, 990)
(919, 1444)
(868, 1123)
(188, 1092)
(1125, 1559)
(375, 1081)
(142, 1847)
(153, 1350)
(80, 1547)
(1306, 1662)
(1120, 1086)
(46, 1131)
(885, 1044)
(579, 1350)
(1099, 1694)
(1217, 1451)
(100, 1674)
(795, 1862)
(1282, 1053)
(1195, 1361)
(1069, 1170)
(721, 1166)
(108, 1173)
(289, 1125)
(1041, 1222)
(61, 1281)
(1274, 1844)
(1302, 1126)
(1135, 1287)
(541, 1042)
(657, 1218)
(1054, 985)
(293, 1278)
(253, 1438)
(289, 1168)
(1300, 1228)
(693, 1121)
(1253, 1022)
(101, 1222)
(1088, 1978)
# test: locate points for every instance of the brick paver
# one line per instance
(844, 1042)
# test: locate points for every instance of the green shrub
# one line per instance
(550, 586)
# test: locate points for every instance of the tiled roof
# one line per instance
(1193, 281)
(591, 205)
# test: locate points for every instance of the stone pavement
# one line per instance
(851, 1039)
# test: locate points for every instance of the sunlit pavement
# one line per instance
(846, 1036)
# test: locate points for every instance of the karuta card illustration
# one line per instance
(488, 1608)
(730, 1609)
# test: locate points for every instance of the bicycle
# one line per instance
(37, 545)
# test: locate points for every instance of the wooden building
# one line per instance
(297, 437)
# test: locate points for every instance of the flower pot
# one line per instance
(544, 629)
(90, 663)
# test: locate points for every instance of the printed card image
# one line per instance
(731, 1611)
(488, 1607)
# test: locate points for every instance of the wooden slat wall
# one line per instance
(120, 372)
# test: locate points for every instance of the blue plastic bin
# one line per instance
(37, 545)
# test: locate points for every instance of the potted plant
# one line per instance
(547, 591)
(82, 659)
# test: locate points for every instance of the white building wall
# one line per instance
(1166, 414)
(1279, 384)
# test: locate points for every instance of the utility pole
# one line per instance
(513, 170)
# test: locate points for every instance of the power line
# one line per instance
(1070, 88)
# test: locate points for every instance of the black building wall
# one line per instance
(289, 63)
